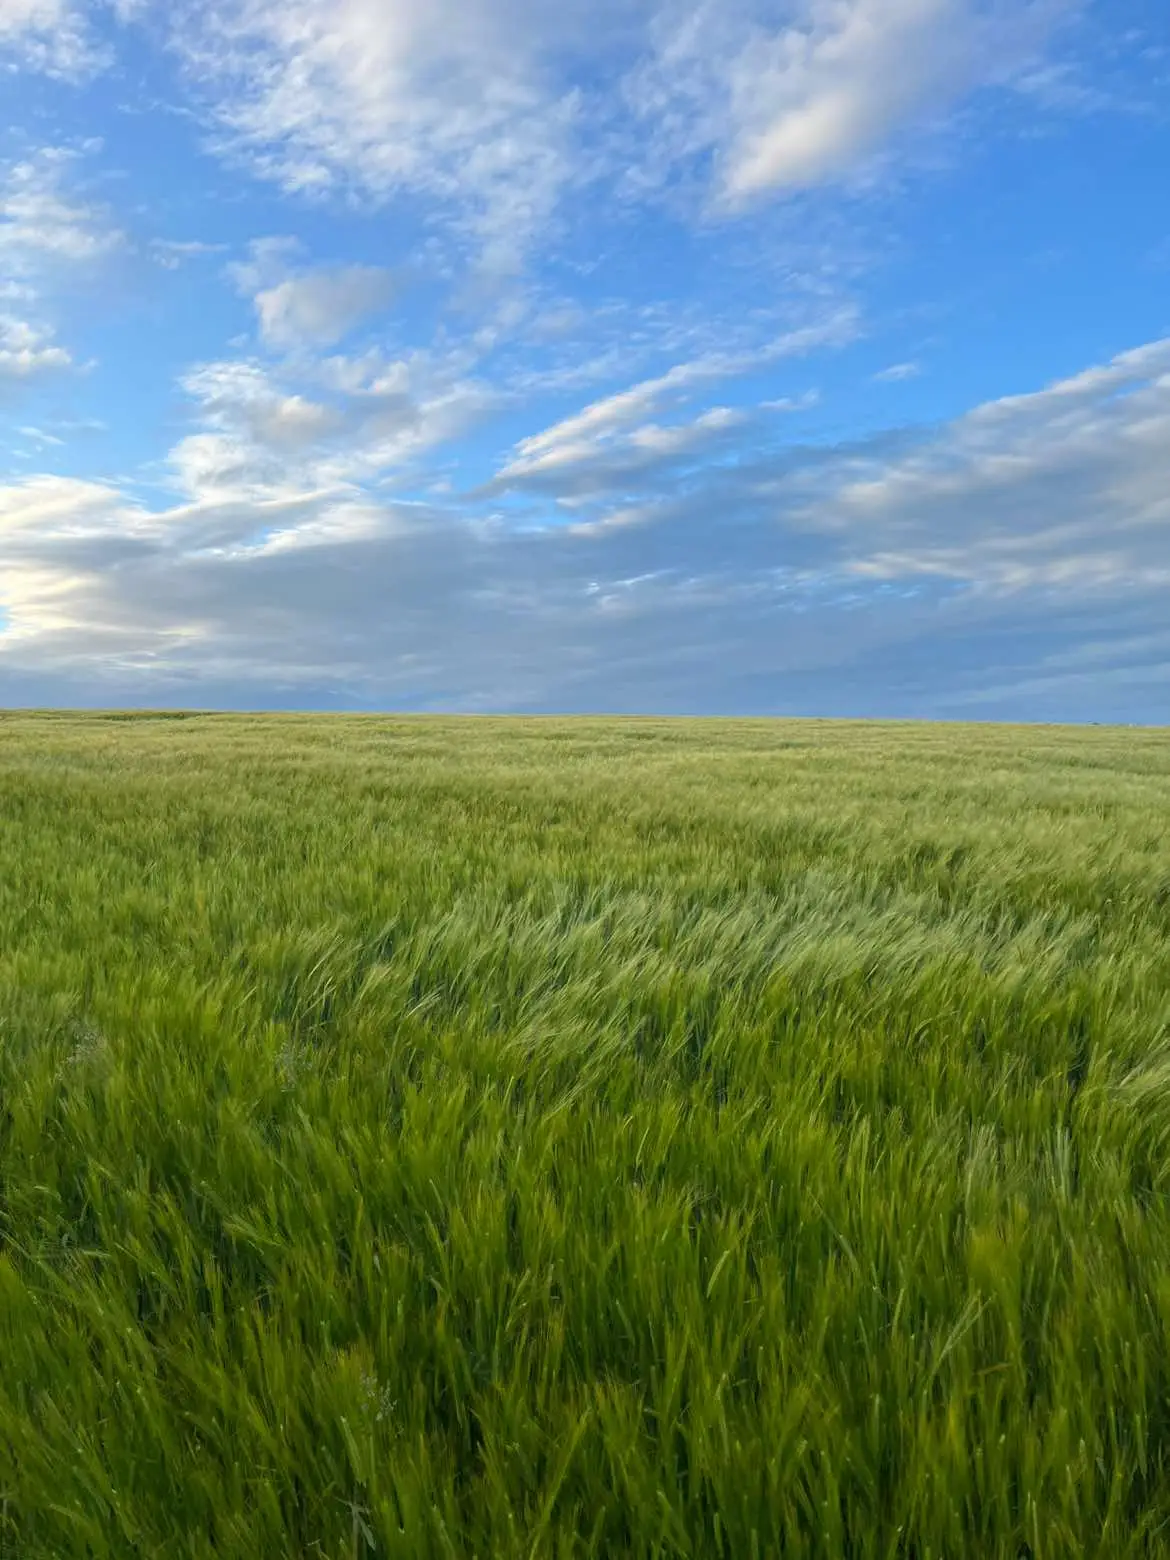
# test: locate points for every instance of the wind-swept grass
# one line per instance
(524, 1139)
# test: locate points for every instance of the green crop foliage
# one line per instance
(520, 1139)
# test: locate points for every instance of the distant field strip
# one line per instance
(536, 1138)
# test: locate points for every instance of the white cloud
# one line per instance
(321, 307)
(809, 102)
(494, 109)
(457, 100)
(27, 353)
(582, 437)
(576, 472)
(42, 437)
(897, 373)
(575, 437)
(318, 426)
(507, 119)
(812, 98)
(43, 223)
(46, 234)
(1064, 490)
(172, 253)
(258, 441)
(1067, 488)
(315, 306)
(47, 35)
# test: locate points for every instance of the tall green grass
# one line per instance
(559, 1139)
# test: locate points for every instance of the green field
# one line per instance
(582, 1138)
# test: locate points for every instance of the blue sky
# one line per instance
(681, 356)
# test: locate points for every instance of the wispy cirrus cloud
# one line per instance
(172, 253)
(813, 95)
(492, 111)
(898, 373)
(458, 101)
(48, 234)
(588, 436)
(45, 223)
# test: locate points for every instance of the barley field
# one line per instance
(520, 1139)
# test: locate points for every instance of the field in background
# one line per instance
(534, 1139)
